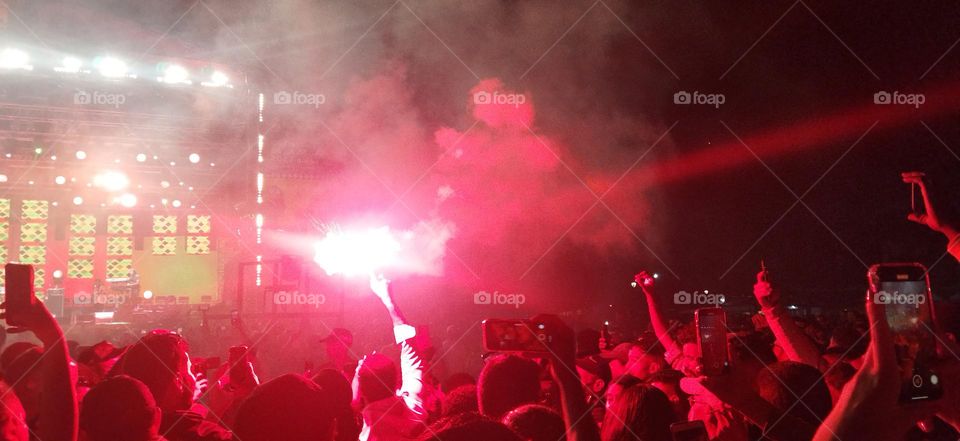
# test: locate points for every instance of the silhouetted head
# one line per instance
(160, 360)
(378, 378)
(507, 382)
(782, 382)
(638, 412)
(287, 408)
(534, 422)
(120, 408)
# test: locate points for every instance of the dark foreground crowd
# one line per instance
(788, 380)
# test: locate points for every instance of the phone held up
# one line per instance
(711, 324)
(904, 290)
(19, 296)
(515, 335)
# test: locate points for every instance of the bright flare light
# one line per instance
(147, 295)
(127, 200)
(111, 67)
(219, 79)
(60, 180)
(354, 253)
(194, 158)
(70, 65)
(81, 155)
(141, 157)
(111, 181)
(77, 200)
(175, 74)
(15, 59)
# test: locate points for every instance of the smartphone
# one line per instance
(20, 297)
(689, 431)
(238, 364)
(712, 337)
(605, 335)
(512, 335)
(905, 290)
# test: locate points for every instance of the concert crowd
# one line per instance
(783, 379)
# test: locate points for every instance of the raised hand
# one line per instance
(930, 217)
(766, 296)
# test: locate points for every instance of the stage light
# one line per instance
(219, 79)
(194, 158)
(141, 157)
(147, 295)
(173, 163)
(3, 178)
(38, 151)
(29, 182)
(176, 203)
(60, 180)
(165, 184)
(53, 157)
(55, 204)
(57, 274)
(111, 67)
(81, 155)
(127, 200)
(111, 180)
(77, 200)
(69, 65)
(357, 252)
(175, 74)
(164, 201)
(15, 59)
(8, 155)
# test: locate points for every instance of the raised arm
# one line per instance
(579, 424)
(795, 343)
(411, 365)
(58, 419)
(646, 283)
(931, 217)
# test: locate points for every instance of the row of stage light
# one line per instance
(14, 59)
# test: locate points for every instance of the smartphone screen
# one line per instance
(712, 338)
(689, 431)
(504, 335)
(905, 291)
(19, 295)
